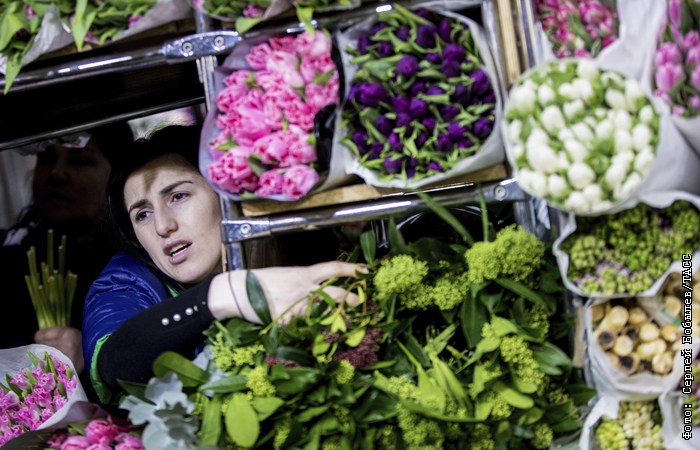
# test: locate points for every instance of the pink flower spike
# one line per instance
(674, 12)
(695, 77)
(667, 75)
(253, 11)
(298, 181)
(691, 40)
(694, 102)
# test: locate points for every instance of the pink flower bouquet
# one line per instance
(102, 434)
(266, 145)
(31, 397)
(676, 78)
(579, 27)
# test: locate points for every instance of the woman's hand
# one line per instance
(67, 340)
(283, 286)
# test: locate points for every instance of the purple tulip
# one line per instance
(371, 94)
(694, 102)
(393, 166)
(385, 49)
(695, 77)
(413, 162)
(375, 150)
(451, 68)
(360, 139)
(434, 57)
(690, 40)
(418, 108)
(429, 123)
(455, 131)
(444, 144)
(403, 120)
(489, 98)
(445, 30)
(426, 36)
(481, 82)
(434, 90)
(416, 88)
(362, 43)
(692, 59)
(407, 66)
(667, 76)
(384, 125)
(410, 172)
(454, 52)
(395, 141)
(403, 33)
(435, 166)
(400, 104)
(482, 127)
(354, 90)
(421, 140)
(465, 143)
(462, 94)
(668, 52)
(378, 27)
(448, 112)
(424, 13)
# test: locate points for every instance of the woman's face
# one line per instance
(175, 215)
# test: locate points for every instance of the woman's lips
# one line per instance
(180, 255)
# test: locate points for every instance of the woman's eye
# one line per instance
(179, 196)
(141, 215)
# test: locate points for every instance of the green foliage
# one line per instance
(400, 274)
(259, 383)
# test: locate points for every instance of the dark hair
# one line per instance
(112, 139)
(173, 140)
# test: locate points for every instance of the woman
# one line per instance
(167, 217)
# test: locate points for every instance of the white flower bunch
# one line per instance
(638, 424)
(581, 138)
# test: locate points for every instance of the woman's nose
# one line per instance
(165, 223)
(59, 172)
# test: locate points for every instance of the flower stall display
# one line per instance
(260, 141)
(246, 13)
(35, 391)
(433, 356)
(423, 99)
(579, 28)
(629, 253)
(637, 426)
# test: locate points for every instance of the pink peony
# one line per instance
(691, 40)
(299, 180)
(667, 75)
(272, 148)
(253, 11)
(678, 111)
(668, 52)
(694, 102)
(695, 77)
(130, 442)
(100, 432)
(299, 113)
(75, 443)
(223, 179)
(692, 59)
(313, 47)
(283, 44)
(271, 183)
(674, 12)
(258, 55)
(57, 439)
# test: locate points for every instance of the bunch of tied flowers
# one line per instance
(627, 252)
(420, 102)
(266, 144)
(677, 60)
(246, 13)
(109, 433)
(31, 397)
(20, 23)
(583, 139)
(305, 8)
(637, 427)
(579, 27)
(101, 20)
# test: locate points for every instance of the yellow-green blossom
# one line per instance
(543, 436)
(259, 384)
(400, 274)
(282, 430)
(481, 438)
(344, 373)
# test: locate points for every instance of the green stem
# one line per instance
(484, 213)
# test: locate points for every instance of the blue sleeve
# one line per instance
(124, 288)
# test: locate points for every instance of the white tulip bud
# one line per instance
(644, 161)
(623, 120)
(572, 108)
(530, 84)
(562, 67)
(545, 94)
(557, 185)
(604, 129)
(633, 90)
(563, 161)
(514, 130)
(517, 150)
(542, 158)
(522, 98)
(646, 114)
(524, 178)
(590, 121)
(537, 136)
(607, 77)
(615, 175)
(577, 202)
(628, 187)
(552, 119)
(615, 99)
(641, 135)
(565, 134)
(584, 88)
(601, 206)
(623, 141)
(577, 151)
(538, 183)
(623, 159)
(580, 175)
(587, 69)
(582, 132)
(568, 90)
(593, 193)
(601, 112)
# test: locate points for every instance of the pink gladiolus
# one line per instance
(663, 96)
(694, 102)
(100, 432)
(692, 59)
(667, 75)
(668, 52)
(253, 11)
(691, 40)
(298, 181)
(695, 77)
(258, 55)
(271, 183)
(130, 443)
(314, 47)
(75, 443)
(674, 12)
(678, 111)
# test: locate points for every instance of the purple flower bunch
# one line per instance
(677, 60)
(420, 101)
(31, 397)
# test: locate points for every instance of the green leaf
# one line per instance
(527, 293)
(549, 353)
(526, 387)
(189, 374)
(513, 397)
(9, 25)
(380, 68)
(34, 360)
(278, 372)
(414, 407)
(305, 15)
(439, 342)
(484, 346)
(397, 244)
(320, 345)
(580, 394)
(416, 350)
(211, 421)
(242, 423)
(308, 414)
(531, 416)
(138, 390)
(301, 379)
(244, 24)
(502, 327)
(354, 337)
(257, 299)
(368, 242)
(266, 406)
(226, 385)
(446, 216)
(256, 164)
(379, 365)
(566, 426)
(448, 382)
(294, 354)
(472, 317)
(483, 408)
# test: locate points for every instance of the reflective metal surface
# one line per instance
(200, 44)
(242, 229)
